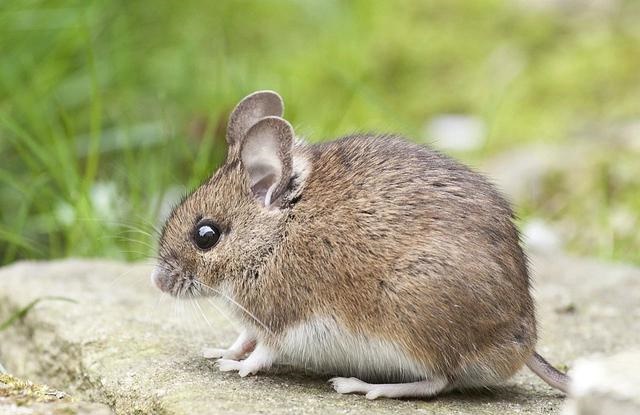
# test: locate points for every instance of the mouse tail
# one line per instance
(548, 373)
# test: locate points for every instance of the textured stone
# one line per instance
(18, 397)
(121, 343)
(7, 407)
(606, 385)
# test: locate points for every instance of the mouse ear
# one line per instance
(249, 111)
(266, 157)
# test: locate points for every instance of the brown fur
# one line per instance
(393, 239)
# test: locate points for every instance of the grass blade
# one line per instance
(21, 313)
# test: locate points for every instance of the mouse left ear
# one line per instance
(248, 112)
(266, 157)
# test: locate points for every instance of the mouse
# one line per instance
(382, 263)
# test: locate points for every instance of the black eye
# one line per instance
(206, 235)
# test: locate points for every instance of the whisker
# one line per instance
(126, 225)
(195, 332)
(236, 304)
(162, 299)
(150, 308)
(223, 314)
(131, 251)
(149, 223)
(130, 240)
(129, 229)
(202, 313)
(180, 306)
(174, 314)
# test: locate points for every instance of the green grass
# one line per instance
(595, 204)
(105, 104)
(21, 313)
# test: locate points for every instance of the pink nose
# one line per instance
(161, 280)
(155, 277)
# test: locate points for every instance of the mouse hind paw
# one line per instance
(424, 388)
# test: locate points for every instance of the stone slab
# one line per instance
(123, 344)
(18, 397)
(606, 385)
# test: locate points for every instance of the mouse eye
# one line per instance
(206, 235)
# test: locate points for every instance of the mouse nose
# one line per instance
(161, 280)
(155, 277)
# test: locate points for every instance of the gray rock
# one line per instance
(123, 344)
(604, 386)
(19, 397)
(66, 408)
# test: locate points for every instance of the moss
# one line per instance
(28, 393)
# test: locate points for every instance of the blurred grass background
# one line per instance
(110, 108)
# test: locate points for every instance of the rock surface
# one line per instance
(604, 386)
(18, 397)
(121, 343)
(8, 407)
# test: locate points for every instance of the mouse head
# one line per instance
(223, 232)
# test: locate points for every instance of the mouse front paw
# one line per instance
(230, 353)
(245, 343)
(260, 359)
(213, 353)
(244, 367)
(228, 365)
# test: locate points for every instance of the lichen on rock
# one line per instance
(24, 392)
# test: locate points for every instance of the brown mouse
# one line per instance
(368, 257)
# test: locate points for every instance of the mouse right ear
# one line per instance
(247, 113)
(267, 160)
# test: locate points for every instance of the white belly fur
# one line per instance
(326, 346)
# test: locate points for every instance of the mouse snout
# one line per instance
(162, 280)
